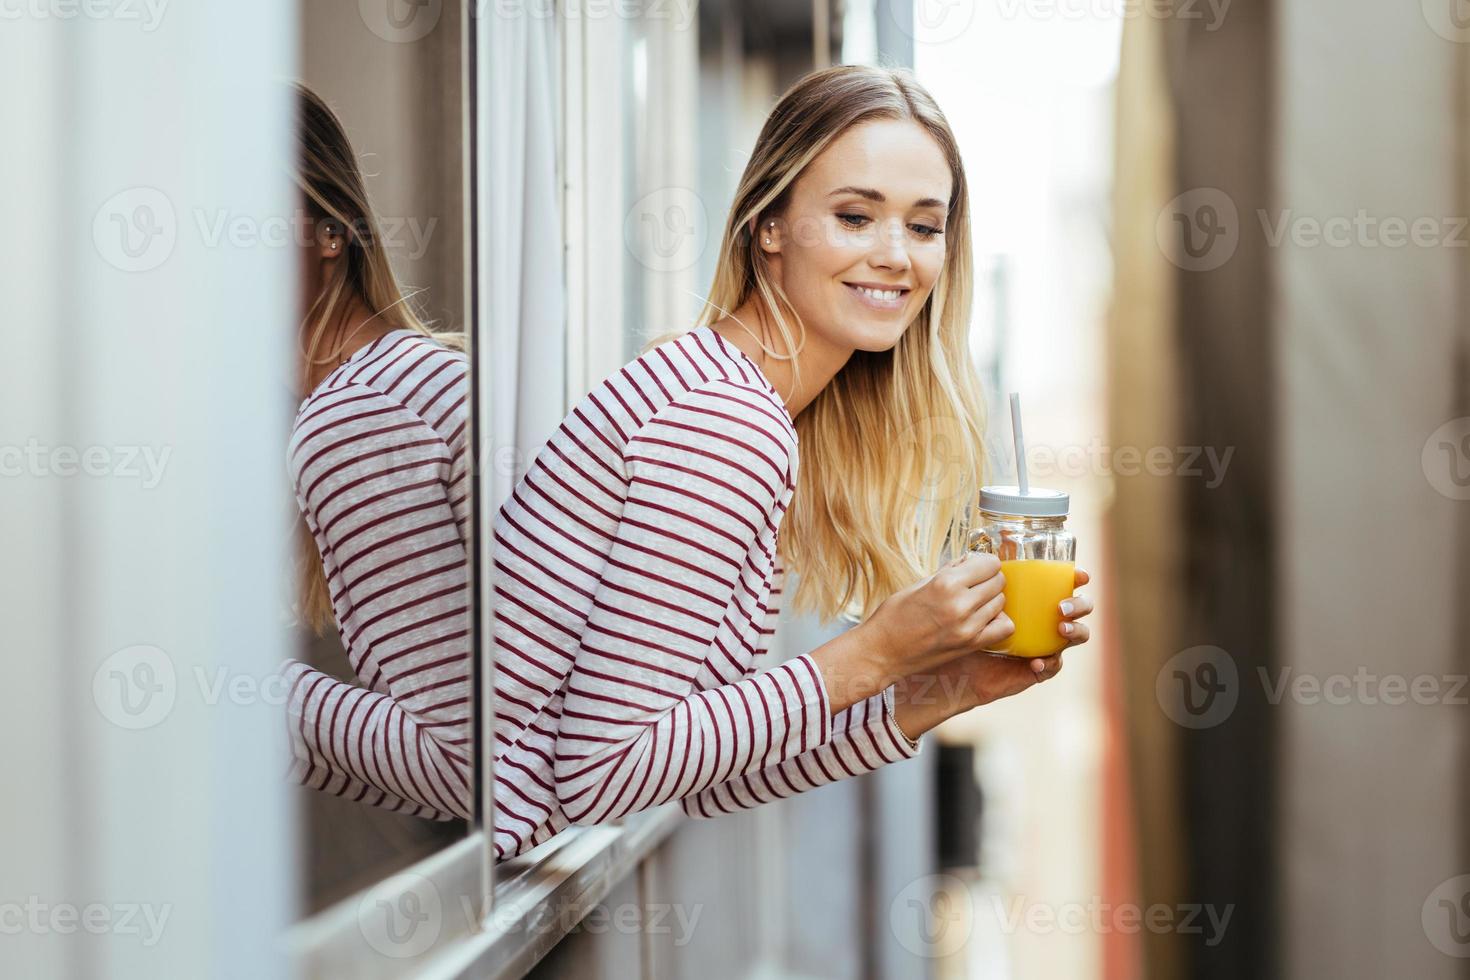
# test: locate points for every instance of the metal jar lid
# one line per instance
(1038, 503)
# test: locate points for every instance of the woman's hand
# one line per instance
(955, 611)
(992, 677)
(925, 698)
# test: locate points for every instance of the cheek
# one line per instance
(928, 263)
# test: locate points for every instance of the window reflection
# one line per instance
(381, 724)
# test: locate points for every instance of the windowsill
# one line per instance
(539, 898)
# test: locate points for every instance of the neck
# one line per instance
(817, 363)
(349, 332)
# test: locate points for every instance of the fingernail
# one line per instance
(1067, 608)
(1067, 629)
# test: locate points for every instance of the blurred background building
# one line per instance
(1222, 250)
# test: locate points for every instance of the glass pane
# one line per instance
(387, 782)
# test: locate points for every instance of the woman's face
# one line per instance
(861, 240)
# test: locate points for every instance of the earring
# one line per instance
(768, 237)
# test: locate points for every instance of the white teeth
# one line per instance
(880, 294)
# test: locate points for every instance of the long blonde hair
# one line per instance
(892, 449)
(331, 181)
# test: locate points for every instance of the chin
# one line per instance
(876, 336)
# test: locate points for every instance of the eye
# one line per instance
(926, 231)
(852, 220)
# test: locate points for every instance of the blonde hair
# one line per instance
(893, 447)
(331, 181)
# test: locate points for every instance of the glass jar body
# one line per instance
(1038, 558)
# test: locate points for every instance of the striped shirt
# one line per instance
(637, 589)
(637, 586)
(378, 457)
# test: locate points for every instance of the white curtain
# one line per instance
(522, 359)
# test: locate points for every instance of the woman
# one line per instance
(640, 561)
(378, 458)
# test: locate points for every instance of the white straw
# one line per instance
(1021, 480)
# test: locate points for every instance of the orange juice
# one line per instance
(1034, 591)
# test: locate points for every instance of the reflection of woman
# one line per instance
(641, 559)
(378, 456)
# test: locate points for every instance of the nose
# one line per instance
(891, 251)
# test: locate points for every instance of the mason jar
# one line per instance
(1037, 553)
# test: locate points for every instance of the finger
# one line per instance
(1045, 668)
(1082, 578)
(1075, 632)
(998, 629)
(974, 567)
(985, 614)
(1075, 607)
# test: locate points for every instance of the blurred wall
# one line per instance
(1372, 343)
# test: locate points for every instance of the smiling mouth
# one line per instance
(879, 297)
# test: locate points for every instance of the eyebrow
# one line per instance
(873, 195)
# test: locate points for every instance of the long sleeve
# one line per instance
(865, 737)
(373, 481)
(709, 476)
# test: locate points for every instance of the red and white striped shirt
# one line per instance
(379, 461)
(637, 588)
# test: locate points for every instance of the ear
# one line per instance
(331, 240)
(768, 236)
